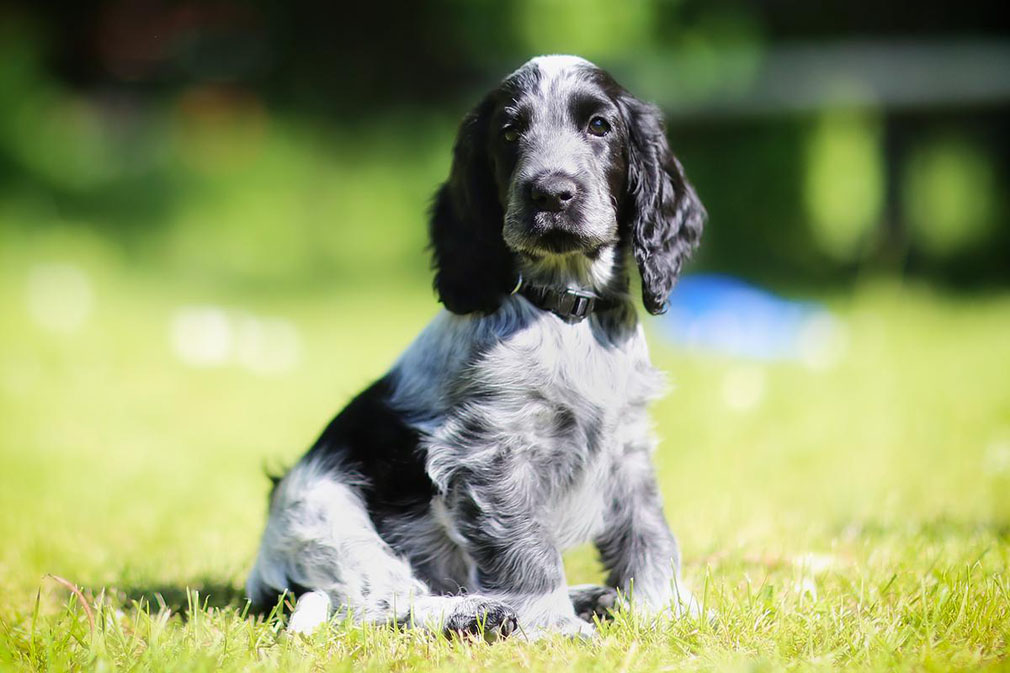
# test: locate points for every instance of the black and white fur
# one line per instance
(443, 495)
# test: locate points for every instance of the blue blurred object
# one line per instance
(728, 315)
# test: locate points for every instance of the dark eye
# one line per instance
(510, 134)
(599, 126)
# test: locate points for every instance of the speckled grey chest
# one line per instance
(529, 399)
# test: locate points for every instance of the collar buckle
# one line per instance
(575, 305)
(570, 305)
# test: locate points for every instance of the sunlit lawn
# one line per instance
(854, 517)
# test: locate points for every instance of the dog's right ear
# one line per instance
(473, 267)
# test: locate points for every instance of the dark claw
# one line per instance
(508, 626)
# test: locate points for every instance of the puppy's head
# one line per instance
(559, 161)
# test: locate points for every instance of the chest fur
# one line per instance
(581, 400)
(521, 389)
(537, 408)
(580, 366)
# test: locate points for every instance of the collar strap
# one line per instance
(570, 305)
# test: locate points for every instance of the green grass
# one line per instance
(854, 518)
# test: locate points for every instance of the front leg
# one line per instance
(516, 559)
(636, 545)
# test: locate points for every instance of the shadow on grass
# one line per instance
(181, 599)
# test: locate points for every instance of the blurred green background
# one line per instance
(212, 233)
(297, 143)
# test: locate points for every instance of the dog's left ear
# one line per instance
(661, 208)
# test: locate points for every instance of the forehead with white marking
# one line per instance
(543, 88)
(553, 66)
(550, 69)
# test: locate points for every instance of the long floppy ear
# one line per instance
(663, 212)
(473, 267)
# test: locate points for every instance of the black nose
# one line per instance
(553, 192)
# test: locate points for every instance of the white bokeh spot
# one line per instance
(743, 387)
(202, 336)
(267, 345)
(59, 297)
(822, 342)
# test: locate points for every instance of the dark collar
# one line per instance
(570, 305)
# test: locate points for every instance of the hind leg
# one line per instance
(321, 543)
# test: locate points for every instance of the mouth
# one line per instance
(546, 233)
(560, 242)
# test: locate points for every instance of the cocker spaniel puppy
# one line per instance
(515, 425)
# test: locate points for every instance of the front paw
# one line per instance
(482, 617)
(591, 600)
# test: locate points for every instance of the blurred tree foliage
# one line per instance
(257, 139)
